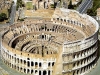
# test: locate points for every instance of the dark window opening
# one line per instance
(24, 62)
(36, 63)
(49, 72)
(35, 71)
(28, 58)
(44, 72)
(39, 64)
(42, 36)
(53, 64)
(31, 71)
(24, 70)
(48, 64)
(28, 70)
(39, 72)
(28, 64)
(32, 64)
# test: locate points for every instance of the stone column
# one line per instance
(47, 72)
(30, 66)
(38, 62)
(41, 72)
(51, 72)
(26, 67)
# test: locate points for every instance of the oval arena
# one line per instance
(67, 44)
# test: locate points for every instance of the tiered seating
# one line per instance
(20, 43)
(61, 33)
(28, 45)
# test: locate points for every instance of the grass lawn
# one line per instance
(29, 6)
(96, 4)
(93, 10)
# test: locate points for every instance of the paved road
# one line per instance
(86, 4)
(13, 13)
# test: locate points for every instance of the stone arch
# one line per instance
(28, 71)
(21, 61)
(40, 72)
(52, 63)
(12, 65)
(18, 60)
(44, 72)
(49, 64)
(24, 61)
(40, 64)
(36, 63)
(32, 63)
(24, 70)
(21, 68)
(28, 63)
(32, 71)
(49, 72)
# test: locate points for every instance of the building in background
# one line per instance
(98, 14)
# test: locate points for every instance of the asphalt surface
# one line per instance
(13, 13)
(84, 6)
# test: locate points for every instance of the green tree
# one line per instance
(3, 17)
(70, 6)
(20, 4)
(91, 12)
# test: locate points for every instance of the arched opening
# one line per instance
(36, 64)
(24, 70)
(31, 71)
(21, 69)
(32, 64)
(15, 60)
(42, 36)
(39, 64)
(15, 66)
(51, 52)
(74, 65)
(28, 64)
(64, 20)
(28, 58)
(21, 61)
(35, 71)
(10, 56)
(45, 37)
(52, 63)
(74, 73)
(77, 71)
(78, 63)
(12, 65)
(18, 68)
(49, 72)
(47, 52)
(39, 72)
(49, 64)
(28, 70)
(24, 62)
(44, 72)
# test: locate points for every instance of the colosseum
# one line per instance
(66, 44)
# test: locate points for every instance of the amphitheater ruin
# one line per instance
(66, 44)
